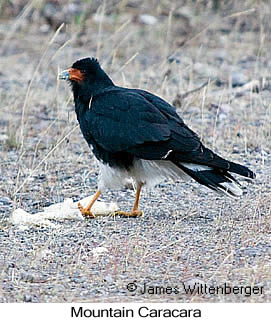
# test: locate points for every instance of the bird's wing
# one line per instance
(125, 120)
(184, 144)
(146, 126)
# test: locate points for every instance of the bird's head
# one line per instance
(86, 77)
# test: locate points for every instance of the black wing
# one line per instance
(144, 125)
(138, 122)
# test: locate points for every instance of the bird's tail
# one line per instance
(217, 179)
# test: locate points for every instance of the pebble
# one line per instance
(27, 298)
(147, 19)
(3, 137)
(108, 279)
(238, 79)
(5, 200)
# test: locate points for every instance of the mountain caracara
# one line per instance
(138, 136)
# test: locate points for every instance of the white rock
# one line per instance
(45, 28)
(147, 19)
(99, 251)
(3, 137)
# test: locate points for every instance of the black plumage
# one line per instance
(131, 128)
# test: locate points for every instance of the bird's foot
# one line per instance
(85, 212)
(131, 214)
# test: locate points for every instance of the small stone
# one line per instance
(147, 19)
(5, 200)
(108, 279)
(3, 137)
(173, 58)
(45, 28)
(27, 298)
(238, 79)
(222, 116)
(99, 251)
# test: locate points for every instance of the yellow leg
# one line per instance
(86, 210)
(135, 211)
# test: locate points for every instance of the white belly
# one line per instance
(148, 172)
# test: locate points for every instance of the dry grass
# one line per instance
(186, 233)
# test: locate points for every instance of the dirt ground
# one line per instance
(188, 235)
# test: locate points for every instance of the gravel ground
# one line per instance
(188, 234)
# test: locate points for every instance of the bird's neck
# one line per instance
(83, 94)
(100, 86)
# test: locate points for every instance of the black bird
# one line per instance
(137, 136)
